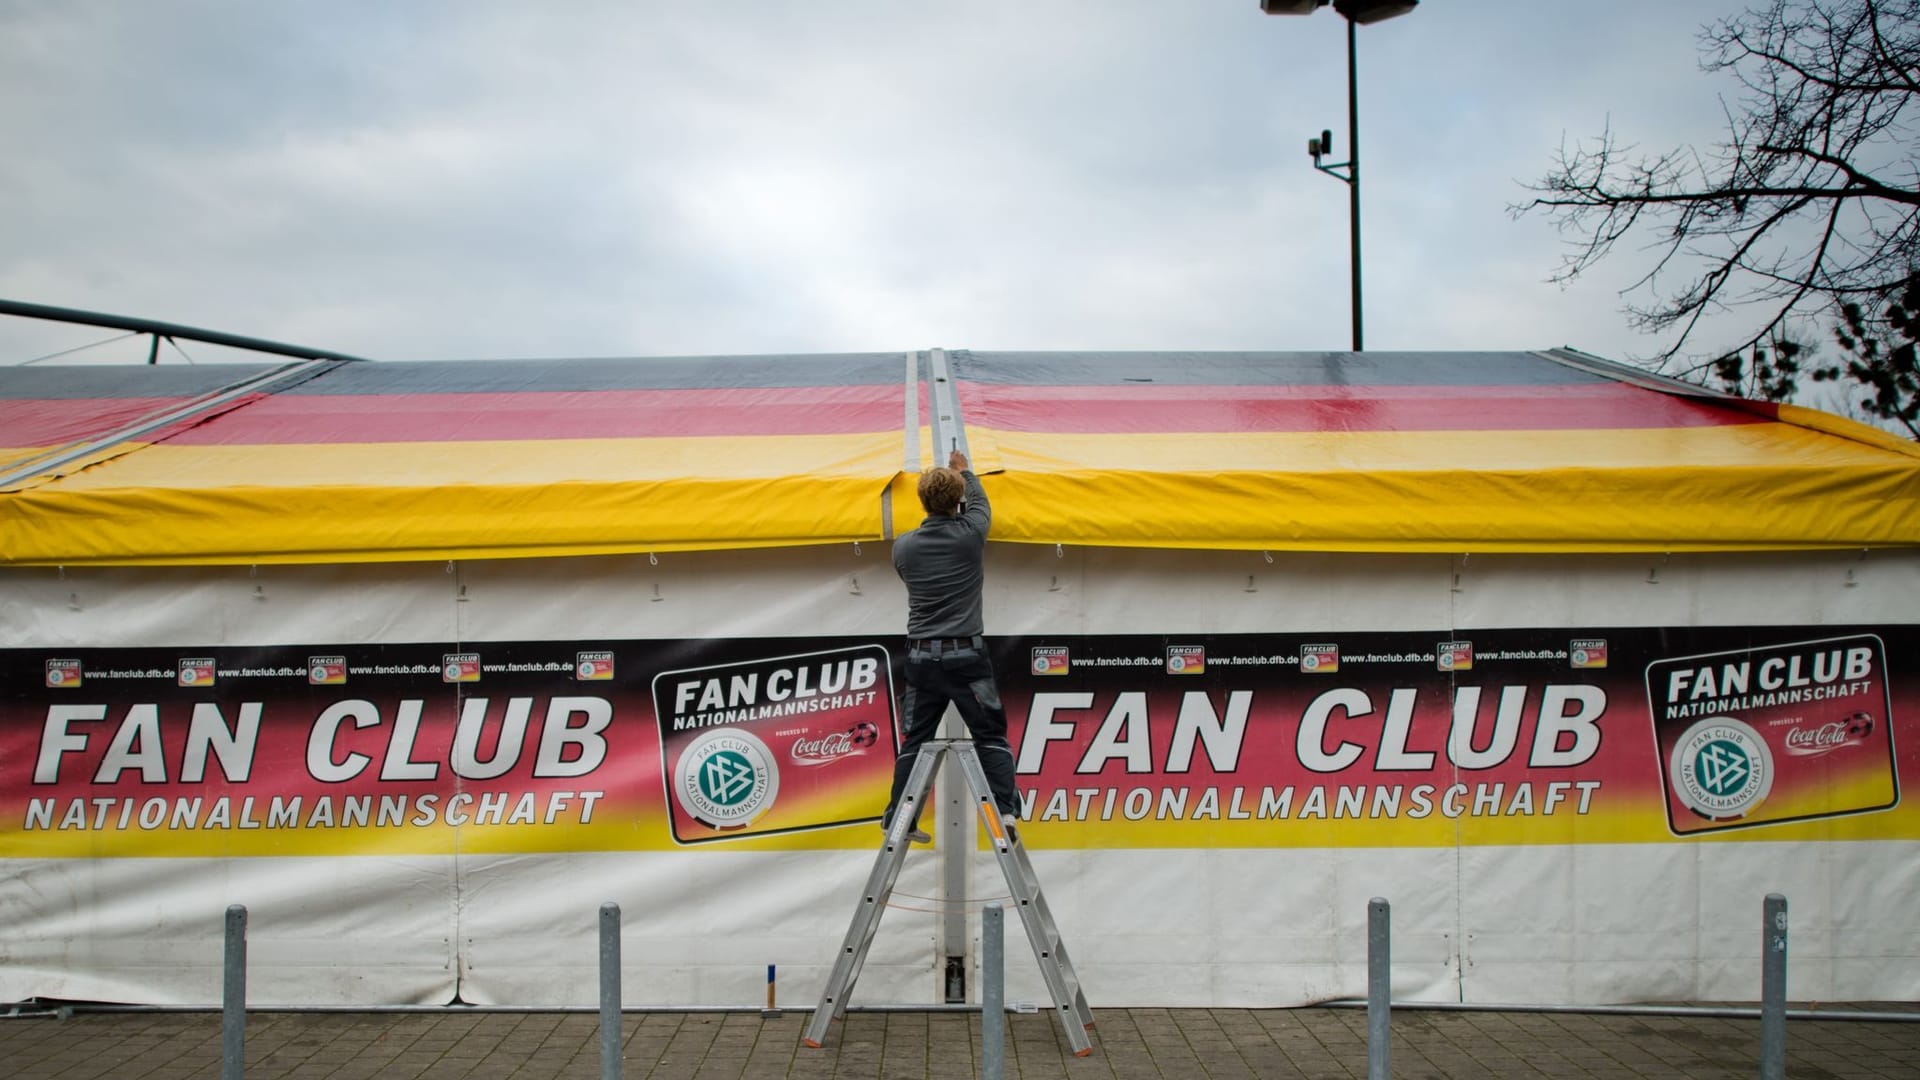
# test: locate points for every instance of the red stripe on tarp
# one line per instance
(1162, 407)
(58, 421)
(600, 414)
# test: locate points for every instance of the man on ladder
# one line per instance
(943, 563)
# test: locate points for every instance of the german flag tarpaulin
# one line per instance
(339, 461)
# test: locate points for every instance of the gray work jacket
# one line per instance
(943, 564)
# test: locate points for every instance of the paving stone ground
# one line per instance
(1130, 1044)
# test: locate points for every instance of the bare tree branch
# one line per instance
(1810, 203)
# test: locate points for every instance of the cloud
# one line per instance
(493, 179)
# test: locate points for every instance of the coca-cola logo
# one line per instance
(823, 751)
(1828, 737)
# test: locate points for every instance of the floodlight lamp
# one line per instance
(1291, 7)
(1373, 11)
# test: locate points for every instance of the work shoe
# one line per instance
(914, 836)
(1007, 822)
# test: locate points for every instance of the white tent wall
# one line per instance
(1245, 925)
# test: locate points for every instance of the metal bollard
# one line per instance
(993, 993)
(233, 998)
(609, 991)
(1773, 988)
(1379, 989)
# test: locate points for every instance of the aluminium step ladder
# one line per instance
(1070, 1004)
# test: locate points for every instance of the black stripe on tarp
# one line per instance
(80, 382)
(643, 373)
(1266, 369)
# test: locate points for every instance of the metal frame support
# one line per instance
(166, 330)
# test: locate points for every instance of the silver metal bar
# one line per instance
(1773, 988)
(609, 991)
(993, 993)
(910, 459)
(62, 455)
(1379, 990)
(954, 843)
(937, 414)
(949, 431)
(233, 998)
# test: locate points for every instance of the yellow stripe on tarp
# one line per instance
(1815, 420)
(1733, 487)
(419, 464)
(166, 504)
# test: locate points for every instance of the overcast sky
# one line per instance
(463, 179)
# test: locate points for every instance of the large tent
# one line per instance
(385, 650)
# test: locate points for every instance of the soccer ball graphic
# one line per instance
(1859, 726)
(864, 734)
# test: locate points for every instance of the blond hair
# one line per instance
(941, 490)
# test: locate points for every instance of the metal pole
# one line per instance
(609, 991)
(164, 329)
(233, 998)
(1379, 988)
(1773, 988)
(993, 993)
(1353, 174)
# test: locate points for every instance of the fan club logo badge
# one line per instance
(1721, 768)
(776, 744)
(326, 670)
(1050, 661)
(1454, 655)
(1319, 659)
(62, 674)
(1775, 733)
(1186, 659)
(460, 667)
(593, 666)
(197, 671)
(1587, 652)
(725, 778)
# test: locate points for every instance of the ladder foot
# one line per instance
(811, 1045)
(1083, 1053)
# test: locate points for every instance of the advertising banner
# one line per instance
(1400, 739)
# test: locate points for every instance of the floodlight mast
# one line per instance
(1357, 13)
